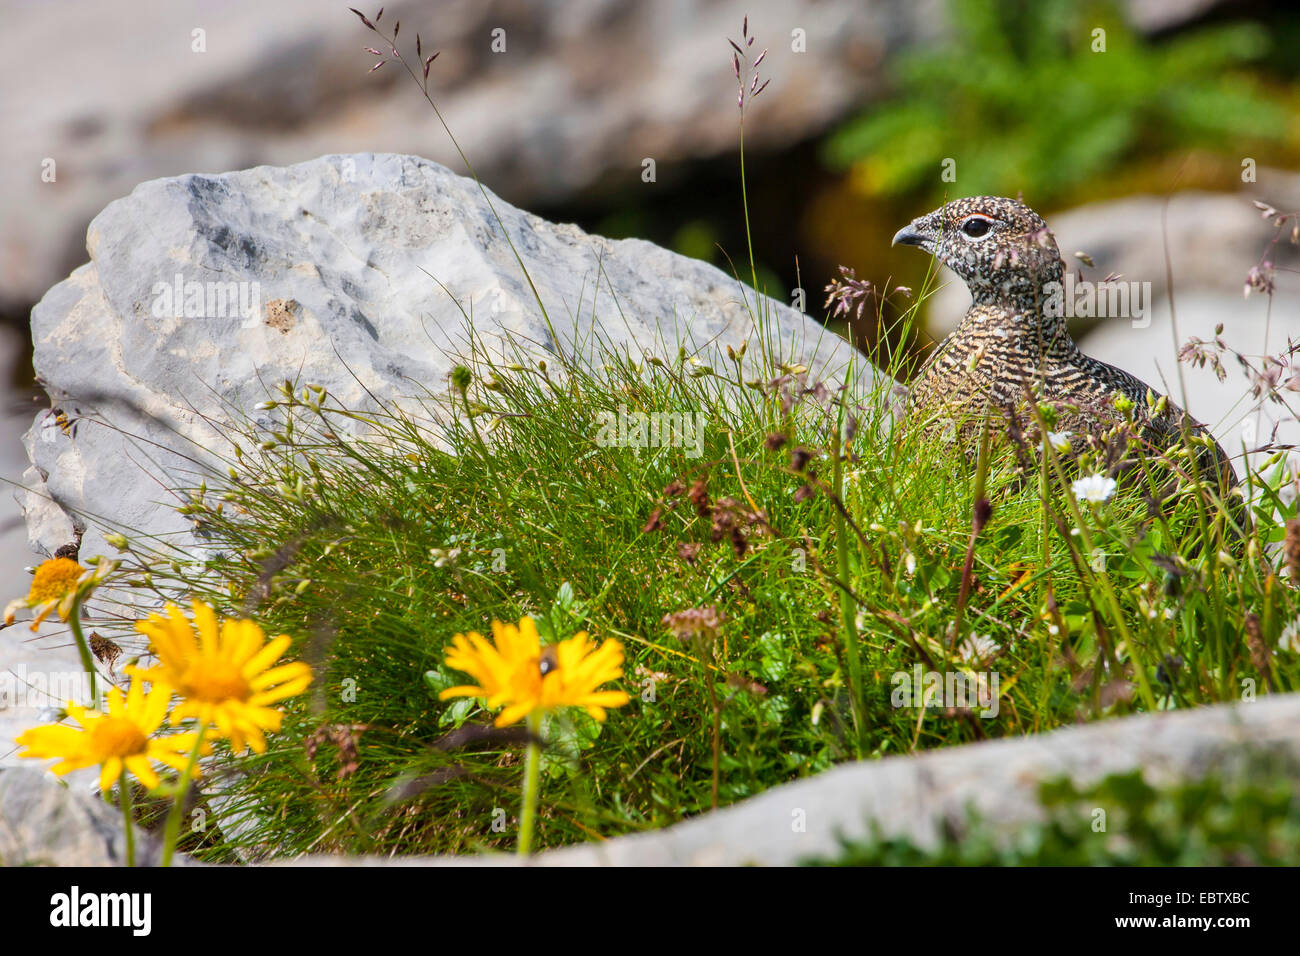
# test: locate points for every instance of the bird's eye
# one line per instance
(975, 227)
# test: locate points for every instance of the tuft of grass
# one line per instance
(373, 536)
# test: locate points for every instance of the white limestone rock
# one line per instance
(340, 271)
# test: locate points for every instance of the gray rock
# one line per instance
(15, 416)
(350, 272)
(34, 668)
(46, 823)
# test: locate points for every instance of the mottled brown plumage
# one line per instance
(1011, 344)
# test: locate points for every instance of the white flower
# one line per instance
(1290, 639)
(444, 557)
(977, 647)
(1095, 488)
(1059, 440)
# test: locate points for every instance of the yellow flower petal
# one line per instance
(516, 673)
(225, 672)
(117, 738)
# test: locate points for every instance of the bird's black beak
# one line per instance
(910, 236)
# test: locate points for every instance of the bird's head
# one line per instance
(1001, 248)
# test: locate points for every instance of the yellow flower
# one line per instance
(54, 585)
(120, 738)
(224, 672)
(517, 673)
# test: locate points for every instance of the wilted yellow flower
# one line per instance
(54, 585)
(518, 673)
(120, 738)
(224, 672)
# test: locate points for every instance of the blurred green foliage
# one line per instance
(1246, 819)
(1020, 100)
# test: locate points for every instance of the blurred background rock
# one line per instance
(846, 145)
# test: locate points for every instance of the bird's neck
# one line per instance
(1024, 306)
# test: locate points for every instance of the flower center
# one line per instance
(117, 737)
(54, 579)
(214, 681)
